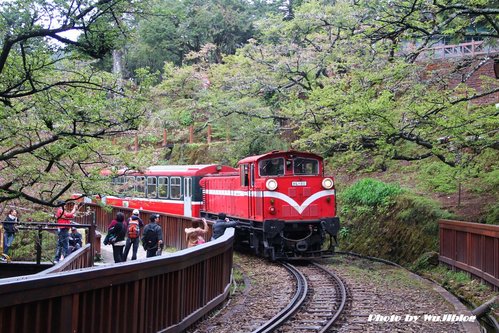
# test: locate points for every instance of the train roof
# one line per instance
(178, 170)
(276, 153)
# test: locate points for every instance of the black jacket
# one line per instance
(118, 229)
(150, 238)
(220, 226)
(9, 225)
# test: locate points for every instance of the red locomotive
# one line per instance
(285, 206)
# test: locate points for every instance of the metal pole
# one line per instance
(39, 246)
(91, 239)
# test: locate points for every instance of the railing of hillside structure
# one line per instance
(166, 293)
(473, 48)
(471, 247)
(172, 225)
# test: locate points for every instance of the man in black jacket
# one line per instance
(221, 224)
(152, 237)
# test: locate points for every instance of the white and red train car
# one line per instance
(285, 205)
(171, 189)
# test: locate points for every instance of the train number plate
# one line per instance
(299, 183)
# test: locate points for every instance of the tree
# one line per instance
(347, 94)
(56, 110)
(173, 28)
(430, 22)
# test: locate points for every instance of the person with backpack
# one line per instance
(118, 231)
(152, 238)
(135, 225)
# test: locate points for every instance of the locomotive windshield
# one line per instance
(305, 166)
(272, 167)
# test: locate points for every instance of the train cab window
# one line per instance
(272, 167)
(151, 187)
(140, 187)
(163, 187)
(243, 170)
(175, 188)
(305, 166)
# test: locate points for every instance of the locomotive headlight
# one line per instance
(327, 183)
(271, 184)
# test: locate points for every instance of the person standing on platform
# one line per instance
(9, 230)
(152, 238)
(195, 235)
(118, 230)
(63, 217)
(134, 228)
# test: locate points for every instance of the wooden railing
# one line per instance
(81, 258)
(166, 293)
(473, 48)
(471, 247)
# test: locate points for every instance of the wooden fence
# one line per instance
(167, 293)
(471, 247)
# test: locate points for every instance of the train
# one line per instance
(284, 203)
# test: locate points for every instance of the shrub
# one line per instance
(369, 192)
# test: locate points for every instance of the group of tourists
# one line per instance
(122, 235)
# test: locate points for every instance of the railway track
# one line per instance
(318, 302)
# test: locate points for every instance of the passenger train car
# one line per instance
(171, 189)
(285, 205)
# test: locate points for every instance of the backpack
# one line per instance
(150, 238)
(133, 229)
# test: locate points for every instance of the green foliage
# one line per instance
(56, 110)
(425, 261)
(344, 233)
(384, 221)
(369, 192)
(492, 215)
(438, 177)
(176, 28)
(24, 246)
(418, 210)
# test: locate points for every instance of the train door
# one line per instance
(188, 196)
(251, 192)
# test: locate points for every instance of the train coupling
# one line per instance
(331, 225)
(272, 228)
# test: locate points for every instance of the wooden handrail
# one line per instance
(471, 247)
(166, 293)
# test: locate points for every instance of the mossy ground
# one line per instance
(472, 291)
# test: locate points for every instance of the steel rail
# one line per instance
(293, 306)
(340, 286)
